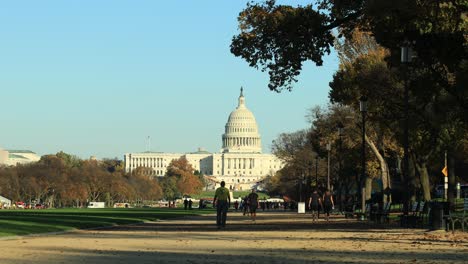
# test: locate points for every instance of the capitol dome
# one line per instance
(241, 131)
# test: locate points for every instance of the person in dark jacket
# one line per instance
(328, 204)
(315, 202)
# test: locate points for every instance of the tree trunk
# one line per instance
(424, 178)
(385, 175)
(368, 188)
(420, 164)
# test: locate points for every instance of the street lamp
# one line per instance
(328, 166)
(340, 145)
(406, 57)
(300, 187)
(316, 172)
(363, 109)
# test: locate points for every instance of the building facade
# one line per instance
(241, 163)
(14, 157)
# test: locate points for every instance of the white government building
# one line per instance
(15, 157)
(241, 163)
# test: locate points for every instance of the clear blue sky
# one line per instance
(98, 77)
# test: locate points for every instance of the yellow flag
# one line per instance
(445, 171)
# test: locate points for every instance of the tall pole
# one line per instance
(328, 166)
(406, 146)
(363, 174)
(316, 172)
(445, 180)
(363, 108)
(406, 54)
(340, 145)
(300, 191)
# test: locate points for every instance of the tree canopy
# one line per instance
(280, 38)
(65, 180)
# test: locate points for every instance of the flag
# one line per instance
(445, 171)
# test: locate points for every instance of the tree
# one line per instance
(97, 180)
(187, 182)
(280, 38)
(169, 188)
(363, 70)
(9, 183)
(64, 180)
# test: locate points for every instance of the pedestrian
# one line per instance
(314, 202)
(328, 204)
(221, 201)
(190, 204)
(185, 203)
(236, 205)
(246, 205)
(253, 202)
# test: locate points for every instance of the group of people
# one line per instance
(317, 202)
(222, 202)
(188, 204)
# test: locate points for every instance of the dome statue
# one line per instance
(241, 130)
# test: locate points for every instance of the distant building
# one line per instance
(5, 202)
(241, 163)
(14, 157)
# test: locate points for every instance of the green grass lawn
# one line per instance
(25, 222)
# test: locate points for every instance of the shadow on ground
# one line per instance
(195, 239)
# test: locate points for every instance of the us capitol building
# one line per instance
(241, 163)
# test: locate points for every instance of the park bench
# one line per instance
(365, 214)
(350, 210)
(381, 215)
(422, 215)
(452, 218)
(407, 220)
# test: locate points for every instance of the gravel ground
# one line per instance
(273, 238)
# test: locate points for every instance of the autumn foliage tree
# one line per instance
(64, 180)
(180, 174)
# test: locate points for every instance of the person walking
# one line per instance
(253, 203)
(314, 202)
(246, 208)
(190, 203)
(328, 204)
(185, 203)
(221, 201)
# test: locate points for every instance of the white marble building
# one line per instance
(241, 163)
(14, 157)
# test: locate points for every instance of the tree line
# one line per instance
(64, 180)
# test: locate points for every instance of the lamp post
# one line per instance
(340, 146)
(300, 188)
(363, 109)
(316, 172)
(406, 57)
(328, 165)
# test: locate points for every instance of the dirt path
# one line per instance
(275, 238)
